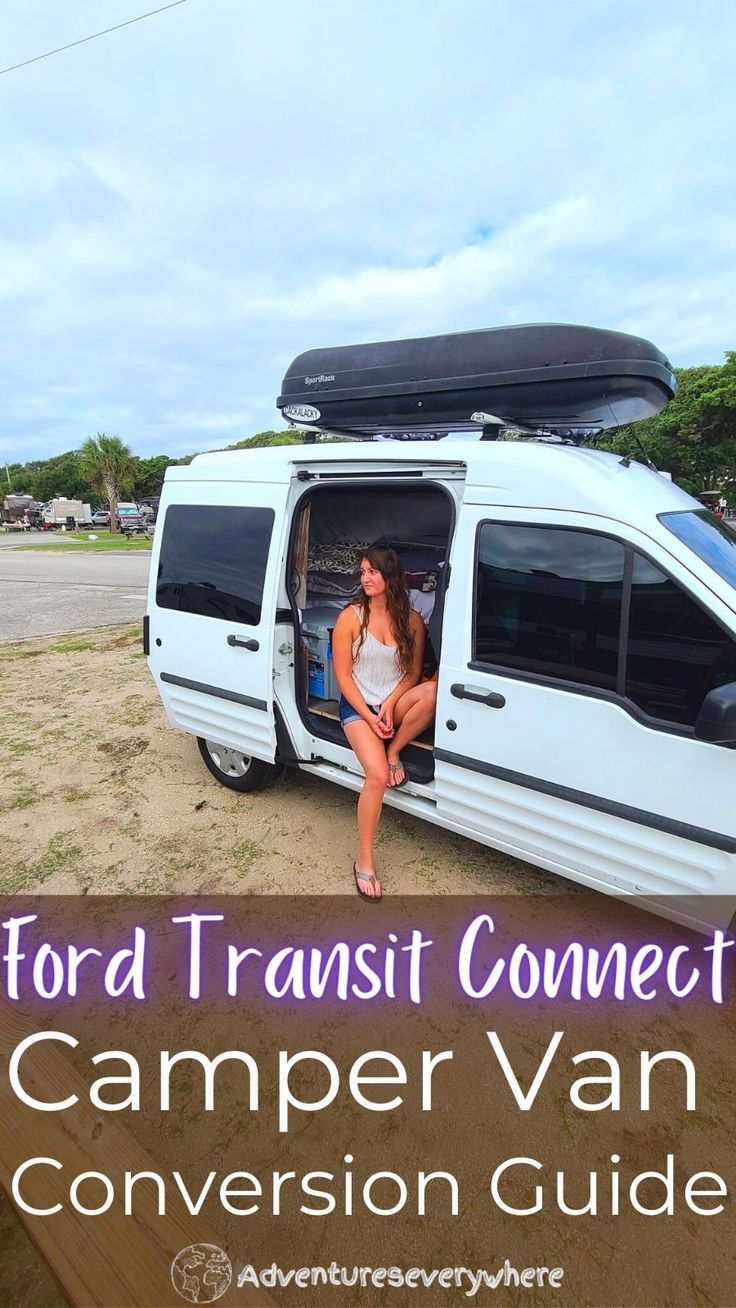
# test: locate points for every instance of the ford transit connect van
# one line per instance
(580, 607)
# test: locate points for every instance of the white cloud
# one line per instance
(199, 421)
(187, 204)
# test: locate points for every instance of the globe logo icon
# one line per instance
(201, 1273)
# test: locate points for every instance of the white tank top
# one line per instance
(376, 669)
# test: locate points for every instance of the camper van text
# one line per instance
(290, 1086)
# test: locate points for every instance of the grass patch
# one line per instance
(25, 797)
(130, 637)
(245, 855)
(14, 653)
(82, 542)
(154, 883)
(135, 711)
(72, 646)
(59, 855)
(16, 747)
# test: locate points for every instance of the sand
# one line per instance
(101, 796)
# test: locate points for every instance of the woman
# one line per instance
(378, 651)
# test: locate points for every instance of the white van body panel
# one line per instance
(570, 781)
(548, 739)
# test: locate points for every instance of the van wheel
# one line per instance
(234, 769)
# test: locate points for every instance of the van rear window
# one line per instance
(213, 561)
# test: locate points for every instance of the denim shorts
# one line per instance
(348, 713)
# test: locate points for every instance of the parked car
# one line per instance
(130, 520)
(149, 507)
(584, 616)
(101, 518)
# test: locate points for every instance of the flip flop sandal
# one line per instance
(365, 876)
(393, 769)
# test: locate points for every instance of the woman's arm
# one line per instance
(413, 676)
(346, 631)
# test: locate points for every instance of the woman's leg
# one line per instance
(413, 714)
(371, 755)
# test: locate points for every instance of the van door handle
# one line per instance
(244, 644)
(490, 698)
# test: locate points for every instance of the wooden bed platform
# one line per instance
(327, 708)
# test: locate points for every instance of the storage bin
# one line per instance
(317, 627)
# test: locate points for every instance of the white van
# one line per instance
(581, 607)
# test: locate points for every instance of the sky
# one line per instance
(188, 203)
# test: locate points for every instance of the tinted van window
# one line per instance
(213, 561)
(676, 652)
(712, 539)
(548, 600)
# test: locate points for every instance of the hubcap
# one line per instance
(229, 761)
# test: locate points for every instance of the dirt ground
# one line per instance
(100, 795)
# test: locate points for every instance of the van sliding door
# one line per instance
(212, 607)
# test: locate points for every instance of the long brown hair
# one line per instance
(388, 563)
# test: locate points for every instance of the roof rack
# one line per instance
(487, 433)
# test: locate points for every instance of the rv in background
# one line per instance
(62, 512)
(20, 513)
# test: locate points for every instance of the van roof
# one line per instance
(535, 474)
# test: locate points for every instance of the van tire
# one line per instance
(235, 770)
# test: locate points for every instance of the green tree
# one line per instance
(291, 436)
(694, 437)
(46, 478)
(149, 475)
(265, 438)
(108, 463)
(11, 479)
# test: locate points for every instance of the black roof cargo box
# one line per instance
(543, 377)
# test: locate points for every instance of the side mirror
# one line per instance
(716, 720)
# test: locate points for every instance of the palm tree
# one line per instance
(107, 463)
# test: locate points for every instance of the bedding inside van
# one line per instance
(343, 523)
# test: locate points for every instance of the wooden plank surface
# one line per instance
(108, 1261)
(327, 708)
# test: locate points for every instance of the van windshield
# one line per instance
(711, 539)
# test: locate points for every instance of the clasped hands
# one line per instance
(383, 722)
